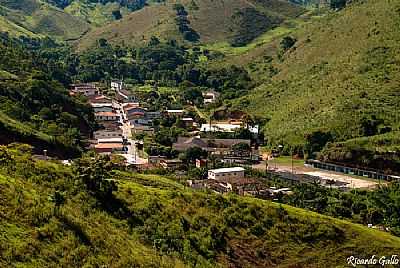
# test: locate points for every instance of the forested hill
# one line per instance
(334, 79)
(235, 21)
(92, 214)
(61, 19)
(35, 108)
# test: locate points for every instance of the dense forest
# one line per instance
(165, 63)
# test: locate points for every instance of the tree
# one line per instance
(5, 157)
(193, 153)
(287, 42)
(117, 14)
(58, 198)
(338, 4)
(316, 141)
(241, 149)
(248, 121)
(102, 42)
(154, 41)
(96, 174)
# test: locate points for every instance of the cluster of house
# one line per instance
(109, 137)
(223, 149)
(233, 179)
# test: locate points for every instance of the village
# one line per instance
(178, 140)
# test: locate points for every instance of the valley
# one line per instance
(212, 133)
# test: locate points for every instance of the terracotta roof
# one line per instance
(106, 114)
(131, 105)
(108, 145)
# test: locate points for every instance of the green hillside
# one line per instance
(237, 22)
(54, 215)
(340, 78)
(34, 17)
(63, 20)
(35, 108)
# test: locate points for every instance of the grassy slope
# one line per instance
(33, 237)
(212, 19)
(34, 234)
(96, 14)
(14, 29)
(23, 129)
(152, 20)
(36, 17)
(343, 68)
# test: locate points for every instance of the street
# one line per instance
(132, 155)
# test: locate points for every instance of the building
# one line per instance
(126, 96)
(374, 174)
(171, 163)
(188, 122)
(108, 133)
(107, 116)
(196, 184)
(175, 112)
(153, 115)
(155, 159)
(117, 85)
(100, 99)
(87, 89)
(108, 148)
(210, 96)
(224, 173)
(111, 140)
(241, 186)
(218, 146)
(102, 107)
(143, 129)
(225, 127)
(200, 163)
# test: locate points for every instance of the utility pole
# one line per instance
(292, 163)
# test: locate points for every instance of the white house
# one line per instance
(223, 127)
(117, 85)
(210, 96)
(86, 89)
(224, 173)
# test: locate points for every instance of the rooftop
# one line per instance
(102, 104)
(108, 145)
(106, 114)
(99, 99)
(227, 170)
(131, 105)
(175, 111)
(172, 161)
(110, 140)
(187, 119)
(225, 127)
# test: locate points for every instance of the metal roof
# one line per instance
(227, 170)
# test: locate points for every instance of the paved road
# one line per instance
(132, 155)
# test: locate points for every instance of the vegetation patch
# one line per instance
(251, 23)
